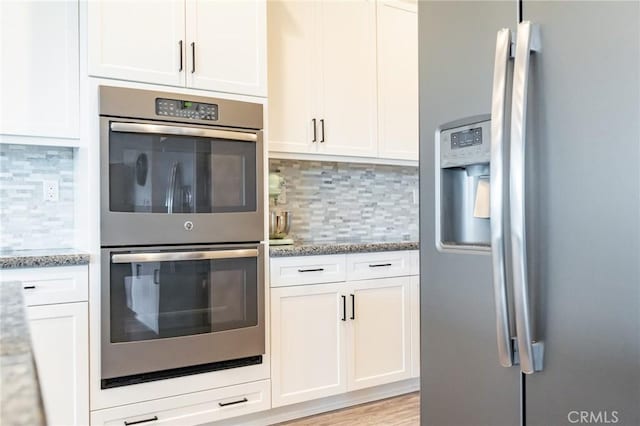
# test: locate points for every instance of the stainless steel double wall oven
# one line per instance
(181, 224)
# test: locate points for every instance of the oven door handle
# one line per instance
(182, 255)
(162, 129)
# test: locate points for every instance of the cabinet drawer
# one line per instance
(49, 285)
(191, 409)
(414, 256)
(300, 270)
(364, 266)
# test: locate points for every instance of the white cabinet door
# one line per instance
(348, 83)
(307, 338)
(59, 335)
(380, 332)
(39, 82)
(398, 80)
(293, 75)
(227, 46)
(322, 77)
(415, 326)
(138, 40)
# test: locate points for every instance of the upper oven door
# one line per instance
(167, 183)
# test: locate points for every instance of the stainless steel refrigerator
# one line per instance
(530, 212)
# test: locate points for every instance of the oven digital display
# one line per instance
(466, 138)
(186, 109)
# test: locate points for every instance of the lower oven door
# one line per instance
(167, 308)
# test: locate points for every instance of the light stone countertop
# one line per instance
(20, 399)
(313, 249)
(10, 259)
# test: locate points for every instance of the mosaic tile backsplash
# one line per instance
(26, 220)
(345, 202)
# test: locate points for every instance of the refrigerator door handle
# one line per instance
(497, 188)
(530, 353)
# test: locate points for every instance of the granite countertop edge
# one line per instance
(312, 249)
(20, 399)
(38, 259)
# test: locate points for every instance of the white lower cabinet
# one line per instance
(379, 332)
(332, 338)
(308, 342)
(190, 409)
(58, 315)
(60, 340)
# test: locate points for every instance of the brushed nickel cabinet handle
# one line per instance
(353, 307)
(193, 57)
(315, 131)
(240, 401)
(137, 422)
(344, 308)
(311, 270)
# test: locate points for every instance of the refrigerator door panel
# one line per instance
(462, 381)
(583, 212)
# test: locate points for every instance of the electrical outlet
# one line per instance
(50, 190)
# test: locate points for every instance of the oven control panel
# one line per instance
(186, 109)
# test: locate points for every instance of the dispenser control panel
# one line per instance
(464, 145)
(466, 138)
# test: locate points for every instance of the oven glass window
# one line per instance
(150, 173)
(156, 300)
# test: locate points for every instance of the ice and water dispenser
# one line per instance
(463, 151)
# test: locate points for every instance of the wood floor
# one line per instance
(402, 410)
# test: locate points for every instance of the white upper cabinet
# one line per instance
(348, 83)
(39, 82)
(211, 45)
(227, 46)
(293, 75)
(398, 80)
(322, 77)
(343, 78)
(138, 40)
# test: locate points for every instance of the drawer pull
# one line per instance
(240, 401)
(379, 265)
(29, 287)
(137, 422)
(311, 270)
